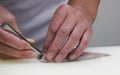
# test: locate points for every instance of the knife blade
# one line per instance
(90, 55)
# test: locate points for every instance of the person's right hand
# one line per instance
(10, 45)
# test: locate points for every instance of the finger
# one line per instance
(13, 41)
(6, 57)
(56, 22)
(10, 39)
(60, 37)
(83, 44)
(73, 39)
(9, 51)
(31, 40)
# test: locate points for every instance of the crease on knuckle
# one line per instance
(52, 29)
(63, 32)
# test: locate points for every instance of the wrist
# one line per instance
(87, 7)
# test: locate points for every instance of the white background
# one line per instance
(107, 24)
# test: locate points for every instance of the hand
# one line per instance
(72, 23)
(10, 45)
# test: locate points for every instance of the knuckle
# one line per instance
(63, 8)
(5, 50)
(53, 29)
(76, 13)
(63, 32)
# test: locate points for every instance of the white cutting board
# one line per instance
(100, 66)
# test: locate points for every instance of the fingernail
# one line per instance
(31, 40)
(72, 57)
(49, 56)
(59, 58)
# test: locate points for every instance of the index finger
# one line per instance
(13, 41)
(56, 22)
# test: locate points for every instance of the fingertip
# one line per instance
(49, 56)
(72, 57)
(31, 40)
(59, 58)
(32, 55)
(27, 55)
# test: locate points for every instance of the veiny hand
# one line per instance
(67, 22)
(10, 45)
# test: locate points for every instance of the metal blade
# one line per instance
(89, 56)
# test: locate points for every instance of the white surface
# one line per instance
(100, 66)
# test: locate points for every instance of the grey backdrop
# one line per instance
(107, 24)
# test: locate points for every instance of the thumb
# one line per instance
(32, 41)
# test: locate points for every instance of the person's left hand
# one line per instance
(72, 23)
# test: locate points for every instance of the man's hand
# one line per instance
(72, 22)
(67, 22)
(10, 45)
